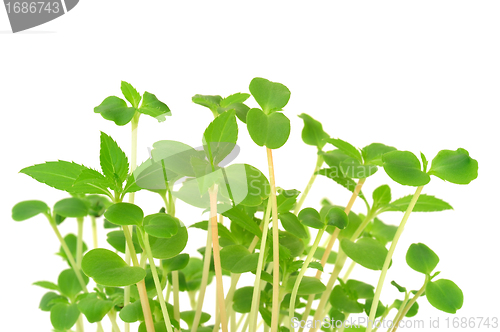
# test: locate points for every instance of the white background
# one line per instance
(421, 76)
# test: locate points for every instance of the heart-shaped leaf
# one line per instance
(454, 166)
(71, 208)
(94, 308)
(291, 223)
(343, 301)
(269, 95)
(404, 168)
(161, 225)
(445, 295)
(68, 283)
(124, 214)
(372, 154)
(421, 258)
(171, 247)
(366, 251)
(311, 218)
(153, 107)
(270, 130)
(28, 209)
(381, 196)
(334, 216)
(63, 316)
(109, 269)
(313, 133)
(242, 299)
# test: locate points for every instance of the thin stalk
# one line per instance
(79, 243)
(94, 231)
(218, 269)
(159, 290)
(349, 271)
(319, 162)
(192, 299)
(245, 326)
(204, 280)
(410, 304)
(293, 297)
(99, 327)
(141, 286)
(387, 262)
(112, 318)
(239, 322)
(260, 263)
(276, 250)
(131, 197)
(384, 315)
(79, 324)
(234, 280)
(330, 244)
(401, 308)
(175, 285)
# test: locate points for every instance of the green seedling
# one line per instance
(254, 227)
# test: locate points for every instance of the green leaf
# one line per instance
(286, 199)
(380, 308)
(270, 130)
(109, 269)
(239, 216)
(176, 263)
(382, 232)
(372, 154)
(454, 166)
(421, 258)
(224, 233)
(336, 175)
(308, 285)
(313, 133)
(354, 222)
(343, 301)
(352, 168)
(381, 196)
(114, 162)
(91, 182)
(63, 316)
(68, 283)
(94, 308)
(311, 218)
(57, 174)
(318, 254)
(257, 126)
(175, 157)
(188, 317)
(334, 158)
(153, 107)
(28, 209)
(132, 312)
(425, 203)
(98, 205)
(245, 184)
(404, 168)
(71, 241)
(131, 94)
(445, 295)
(346, 148)
(425, 162)
(49, 300)
(71, 208)
(117, 240)
(237, 259)
(212, 102)
(115, 109)
(161, 225)
(336, 217)
(366, 251)
(362, 290)
(401, 289)
(234, 99)
(171, 247)
(220, 137)
(242, 299)
(291, 223)
(47, 285)
(269, 95)
(124, 214)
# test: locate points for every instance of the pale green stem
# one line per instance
(131, 198)
(141, 286)
(349, 271)
(239, 322)
(79, 324)
(204, 279)
(276, 250)
(319, 162)
(245, 326)
(256, 295)
(79, 243)
(400, 310)
(175, 284)
(303, 270)
(159, 290)
(388, 259)
(192, 299)
(99, 327)
(342, 328)
(384, 316)
(408, 306)
(229, 297)
(68, 253)
(94, 231)
(217, 264)
(112, 318)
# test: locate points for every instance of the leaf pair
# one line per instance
(219, 105)
(116, 109)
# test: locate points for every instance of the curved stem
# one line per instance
(159, 290)
(387, 262)
(384, 315)
(218, 269)
(293, 297)
(410, 304)
(319, 162)
(276, 250)
(204, 280)
(255, 296)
